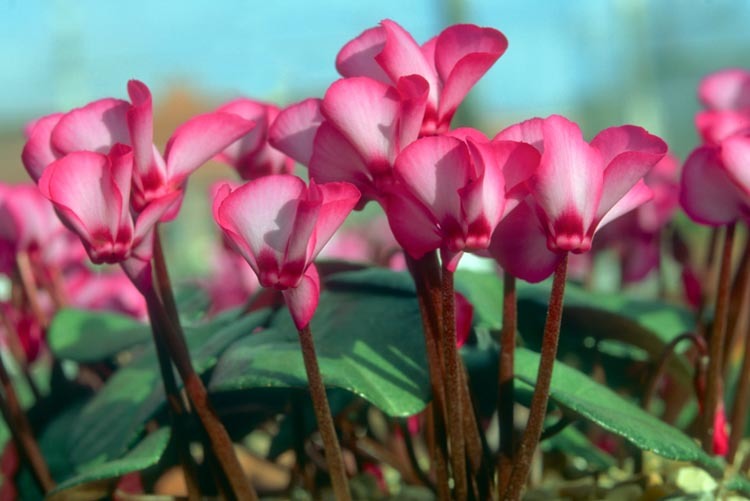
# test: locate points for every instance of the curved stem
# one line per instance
(334, 459)
(506, 390)
(453, 388)
(26, 274)
(539, 400)
(716, 341)
(739, 297)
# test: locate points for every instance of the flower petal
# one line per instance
(413, 90)
(629, 153)
(715, 126)
(199, 139)
(519, 162)
(335, 159)
(338, 200)
(94, 127)
(411, 223)
(249, 143)
(37, 152)
(735, 155)
(293, 131)
(530, 131)
(463, 53)
(707, 193)
(726, 90)
(520, 246)
(141, 125)
(638, 195)
(302, 300)
(357, 57)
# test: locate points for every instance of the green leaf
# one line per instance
(583, 396)
(573, 442)
(368, 337)
(97, 481)
(92, 336)
(485, 292)
(115, 417)
(738, 483)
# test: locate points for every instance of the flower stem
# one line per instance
(716, 341)
(453, 388)
(426, 274)
(539, 400)
(739, 297)
(742, 395)
(334, 459)
(506, 390)
(28, 282)
(22, 433)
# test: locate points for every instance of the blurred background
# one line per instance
(601, 63)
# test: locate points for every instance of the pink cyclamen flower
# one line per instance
(279, 225)
(450, 63)
(251, 155)
(453, 191)
(100, 125)
(91, 193)
(578, 188)
(715, 185)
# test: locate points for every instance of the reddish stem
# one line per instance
(506, 390)
(334, 459)
(539, 400)
(742, 395)
(28, 282)
(716, 341)
(739, 297)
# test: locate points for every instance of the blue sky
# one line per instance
(57, 54)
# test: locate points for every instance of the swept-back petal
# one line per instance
(726, 90)
(335, 159)
(411, 223)
(529, 131)
(94, 127)
(402, 56)
(366, 112)
(293, 131)
(337, 201)
(141, 124)
(37, 152)
(629, 153)
(519, 162)
(413, 90)
(262, 213)
(152, 213)
(249, 143)
(735, 155)
(638, 195)
(520, 246)
(707, 193)
(199, 139)
(302, 300)
(715, 126)
(570, 175)
(463, 53)
(435, 169)
(357, 57)
(484, 196)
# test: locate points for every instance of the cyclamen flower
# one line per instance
(91, 193)
(450, 63)
(715, 186)
(100, 125)
(394, 92)
(279, 225)
(251, 155)
(578, 188)
(453, 190)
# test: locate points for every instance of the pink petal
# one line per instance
(629, 153)
(261, 212)
(94, 127)
(366, 112)
(520, 246)
(726, 90)
(413, 90)
(153, 213)
(141, 125)
(519, 162)
(635, 197)
(338, 200)
(434, 169)
(302, 300)
(735, 155)
(199, 139)
(402, 56)
(570, 176)
(139, 272)
(293, 131)
(715, 126)
(707, 193)
(335, 159)
(252, 141)
(463, 53)
(37, 152)
(488, 185)
(357, 57)
(464, 318)
(529, 131)
(411, 223)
